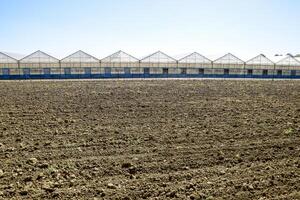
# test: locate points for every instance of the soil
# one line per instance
(150, 139)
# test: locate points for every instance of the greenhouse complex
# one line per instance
(40, 65)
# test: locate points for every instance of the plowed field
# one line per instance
(150, 139)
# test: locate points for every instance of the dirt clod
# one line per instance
(32, 161)
(111, 186)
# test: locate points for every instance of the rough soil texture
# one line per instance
(150, 139)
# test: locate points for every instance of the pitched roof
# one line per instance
(229, 59)
(194, 58)
(120, 56)
(81, 57)
(158, 57)
(260, 60)
(4, 58)
(289, 61)
(39, 57)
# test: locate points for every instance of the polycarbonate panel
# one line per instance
(79, 57)
(39, 57)
(194, 58)
(289, 61)
(119, 57)
(228, 59)
(260, 60)
(158, 57)
(7, 59)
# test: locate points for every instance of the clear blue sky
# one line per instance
(140, 27)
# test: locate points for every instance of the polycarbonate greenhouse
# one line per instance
(288, 66)
(159, 63)
(288, 62)
(7, 61)
(79, 64)
(120, 64)
(39, 63)
(195, 63)
(229, 64)
(39, 59)
(9, 65)
(259, 65)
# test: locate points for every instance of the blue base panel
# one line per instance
(115, 76)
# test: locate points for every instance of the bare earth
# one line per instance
(150, 139)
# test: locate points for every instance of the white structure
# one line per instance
(288, 66)
(160, 63)
(260, 65)
(195, 64)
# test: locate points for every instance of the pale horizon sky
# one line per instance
(141, 27)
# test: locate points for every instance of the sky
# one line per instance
(245, 28)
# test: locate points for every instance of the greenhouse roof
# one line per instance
(39, 57)
(289, 61)
(158, 57)
(229, 59)
(79, 57)
(120, 56)
(194, 58)
(4, 58)
(260, 60)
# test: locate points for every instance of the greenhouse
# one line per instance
(159, 63)
(8, 65)
(79, 65)
(288, 66)
(195, 63)
(227, 65)
(120, 64)
(259, 66)
(39, 63)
